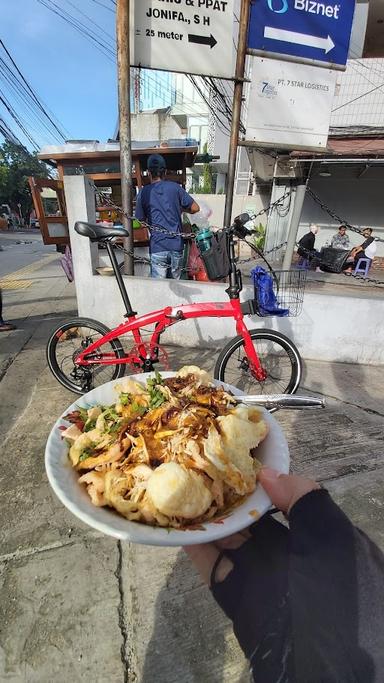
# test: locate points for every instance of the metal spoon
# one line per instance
(281, 401)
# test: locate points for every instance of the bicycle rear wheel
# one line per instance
(278, 356)
(67, 341)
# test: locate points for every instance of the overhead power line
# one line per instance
(15, 117)
(32, 92)
(81, 27)
(8, 134)
(105, 6)
(221, 109)
(345, 104)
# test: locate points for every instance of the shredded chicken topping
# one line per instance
(174, 453)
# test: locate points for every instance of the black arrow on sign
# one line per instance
(202, 40)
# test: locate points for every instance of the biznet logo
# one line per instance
(278, 7)
(310, 6)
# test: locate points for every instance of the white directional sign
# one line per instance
(189, 36)
(325, 44)
(289, 104)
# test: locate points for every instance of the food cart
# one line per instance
(100, 163)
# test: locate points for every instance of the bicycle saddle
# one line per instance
(97, 233)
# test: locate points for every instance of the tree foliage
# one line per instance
(16, 165)
(207, 187)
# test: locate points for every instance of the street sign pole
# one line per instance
(236, 109)
(123, 80)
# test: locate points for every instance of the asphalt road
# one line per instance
(20, 249)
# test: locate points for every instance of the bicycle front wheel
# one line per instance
(65, 344)
(278, 356)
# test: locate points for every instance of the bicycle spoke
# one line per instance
(68, 342)
(276, 360)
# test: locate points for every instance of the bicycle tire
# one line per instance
(65, 377)
(280, 386)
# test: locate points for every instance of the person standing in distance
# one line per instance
(161, 204)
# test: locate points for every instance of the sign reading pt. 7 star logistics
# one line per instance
(190, 36)
(302, 30)
(289, 105)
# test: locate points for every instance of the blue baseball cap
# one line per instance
(156, 162)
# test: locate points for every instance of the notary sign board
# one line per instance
(188, 36)
(289, 105)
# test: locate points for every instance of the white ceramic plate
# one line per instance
(273, 452)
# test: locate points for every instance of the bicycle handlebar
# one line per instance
(238, 227)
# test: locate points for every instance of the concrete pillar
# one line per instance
(293, 226)
(80, 201)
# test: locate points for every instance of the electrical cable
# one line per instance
(79, 26)
(15, 117)
(357, 98)
(105, 6)
(32, 92)
(91, 20)
(41, 127)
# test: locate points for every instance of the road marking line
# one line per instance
(15, 284)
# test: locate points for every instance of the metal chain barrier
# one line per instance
(273, 205)
(189, 235)
(335, 216)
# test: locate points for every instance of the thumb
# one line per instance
(285, 490)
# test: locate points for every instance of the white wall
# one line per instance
(154, 127)
(360, 201)
(331, 327)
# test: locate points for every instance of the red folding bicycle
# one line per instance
(83, 353)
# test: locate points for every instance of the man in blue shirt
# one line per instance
(161, 204)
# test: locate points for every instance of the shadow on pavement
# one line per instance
(192, 641)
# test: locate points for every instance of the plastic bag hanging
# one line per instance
(266, 299)
(67, 264)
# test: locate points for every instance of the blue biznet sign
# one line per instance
(302, 30)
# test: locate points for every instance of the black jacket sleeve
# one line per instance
(308, 241)
(336, 586)
(307, 603)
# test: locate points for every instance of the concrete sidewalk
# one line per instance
(78, 606)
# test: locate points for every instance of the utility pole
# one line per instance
(236, 109)
(124, 94)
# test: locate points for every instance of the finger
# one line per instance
(203, 556)
(234, 541)
(285, 490)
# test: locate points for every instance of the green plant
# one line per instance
(259, 238)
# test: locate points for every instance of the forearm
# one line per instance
(336, 583)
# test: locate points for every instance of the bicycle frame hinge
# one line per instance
(175, 314)
(249, 307)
